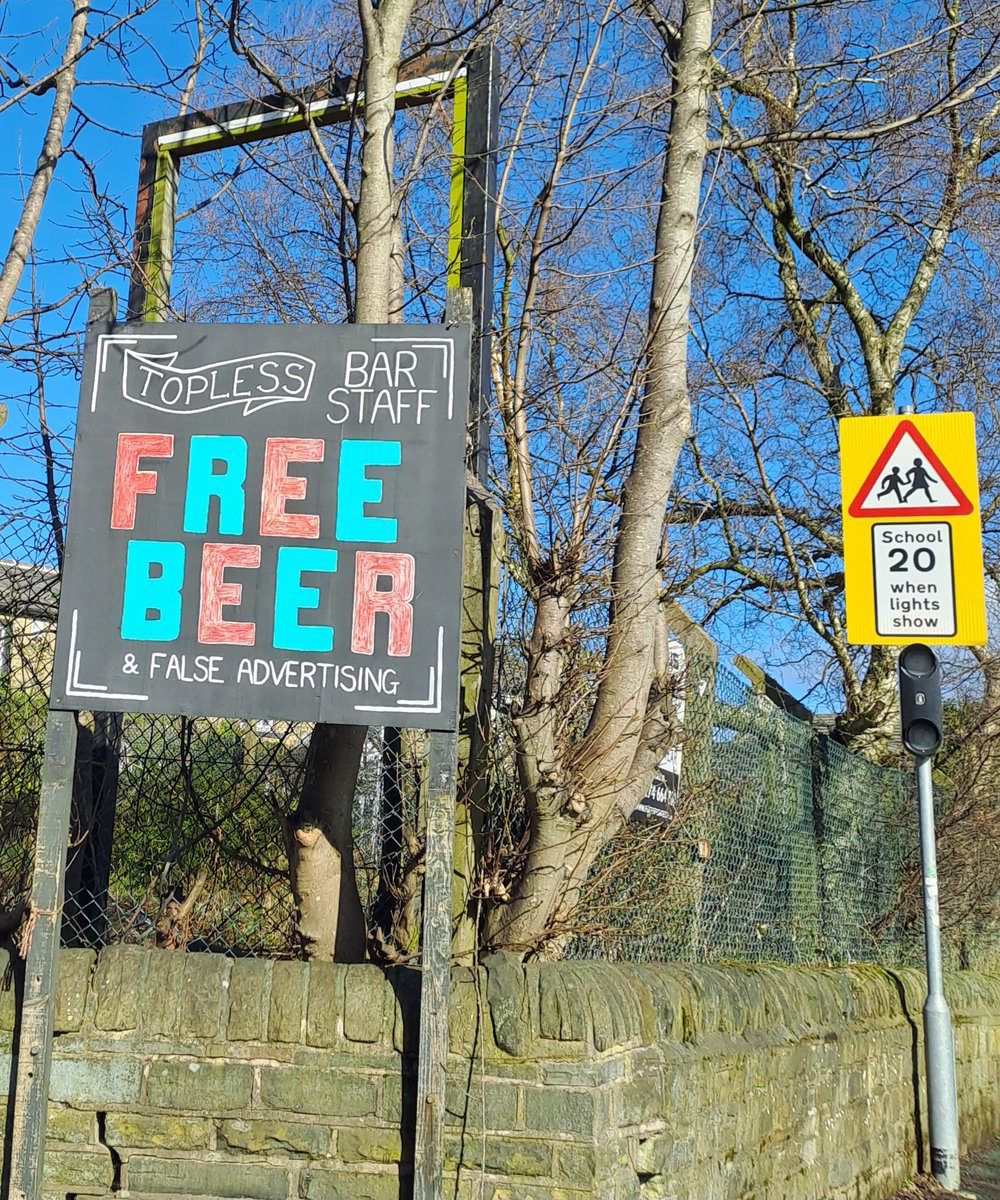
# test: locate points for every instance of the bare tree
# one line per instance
(851, 186)
(578, 789)
(63, 81)
(589, 442)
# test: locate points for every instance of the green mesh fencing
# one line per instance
(781, 846)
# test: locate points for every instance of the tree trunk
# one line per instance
(321, 859)
(31, 211)
(573, 794)
(375, 277)
(871, 715)
(330, 919)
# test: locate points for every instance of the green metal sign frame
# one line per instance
(468, 80)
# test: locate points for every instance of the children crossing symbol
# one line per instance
(909, 480)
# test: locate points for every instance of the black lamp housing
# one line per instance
(920, 700)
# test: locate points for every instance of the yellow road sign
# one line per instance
(913, 551)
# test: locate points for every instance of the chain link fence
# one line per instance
(179, 825)
(183, 845)
(778, 845)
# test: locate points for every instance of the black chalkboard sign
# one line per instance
(266, 521)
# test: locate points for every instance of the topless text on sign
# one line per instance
(266, 521)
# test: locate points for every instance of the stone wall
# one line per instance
(180, 1075)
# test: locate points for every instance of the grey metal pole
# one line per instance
(939, 1052)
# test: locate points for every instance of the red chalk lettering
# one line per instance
(129, 480)
(279, 487)
(368, 600)
(215, 593)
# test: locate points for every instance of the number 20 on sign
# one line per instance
(913, 556)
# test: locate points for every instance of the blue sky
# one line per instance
(136, 79)
(122, 85)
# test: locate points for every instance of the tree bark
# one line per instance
(573, 795)
(24, 233)
(383, 29)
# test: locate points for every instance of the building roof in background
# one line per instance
(28, 590)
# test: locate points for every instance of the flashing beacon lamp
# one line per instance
(920, 700)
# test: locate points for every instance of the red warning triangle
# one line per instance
(909, 480)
